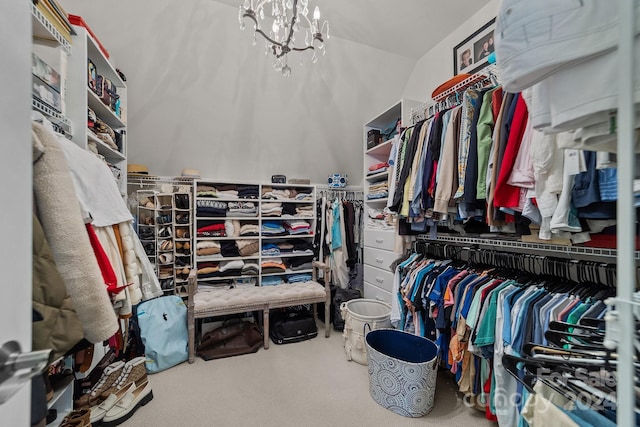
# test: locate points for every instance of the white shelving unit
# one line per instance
(80, 97)
(257, 220)
(379, 243)
(52, 47)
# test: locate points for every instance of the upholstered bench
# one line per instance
(222, 301)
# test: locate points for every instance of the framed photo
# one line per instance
(471, 54)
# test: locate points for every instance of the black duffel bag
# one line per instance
(291, 325)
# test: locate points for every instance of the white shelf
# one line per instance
(308, 202)
(289, 236)
(104, 66)
(287, 272)
(291, 255)
(52, 115)
(222, 278)
(212, 258)
(377, 201)
(380, 149)
(108, 152)
(44, 30)
(380, 176)
(227, 238)
(102, 111)
(223, 218)
(229, 200)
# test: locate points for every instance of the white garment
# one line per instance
(548, 162)
(95, 186)
(522, 174)
(535, 39)
(132, 268)
(149, 284)
(393, 163)
(110, 245)
(575, 101)
(561, 220)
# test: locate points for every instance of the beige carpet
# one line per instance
(309, 383)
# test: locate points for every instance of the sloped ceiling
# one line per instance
(406, 27)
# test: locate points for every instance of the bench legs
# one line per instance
(265, 326)
(327, 319)
(191, 329)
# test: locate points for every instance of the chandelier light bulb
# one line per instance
(316, 13)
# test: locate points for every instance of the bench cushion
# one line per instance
(207, 301)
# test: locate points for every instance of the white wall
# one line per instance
(436, 66)
(200, 96)
(15, 174)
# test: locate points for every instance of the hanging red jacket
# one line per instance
(506, 195)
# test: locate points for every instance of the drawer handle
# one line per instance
(379, 280)
(379, 260)
(379, 240)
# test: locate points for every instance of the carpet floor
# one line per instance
(310, 383)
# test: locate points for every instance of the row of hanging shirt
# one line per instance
(481, 166)
(478, 314)
(339, 236)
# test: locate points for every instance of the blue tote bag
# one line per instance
(163, 329)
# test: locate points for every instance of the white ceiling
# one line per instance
(406, 27)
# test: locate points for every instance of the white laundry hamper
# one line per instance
(356, 314)
(402, 371)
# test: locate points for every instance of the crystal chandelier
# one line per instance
(285, 18)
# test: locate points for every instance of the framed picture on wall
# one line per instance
(471, 54)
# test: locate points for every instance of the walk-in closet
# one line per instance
(320, 213)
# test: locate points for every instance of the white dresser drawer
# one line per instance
(378, 277)
(374, 292)
(381, 239)
(379, 258)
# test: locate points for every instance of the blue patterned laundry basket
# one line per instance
(402, 371)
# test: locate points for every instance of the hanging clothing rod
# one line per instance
(488, 76)
(573, 270)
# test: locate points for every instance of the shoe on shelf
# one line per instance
(109, 377)
(98, 412)
(165, 232)
(128, 405)
(182, 233)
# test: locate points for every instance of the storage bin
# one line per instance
(402, 371)
(356, 314)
